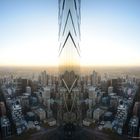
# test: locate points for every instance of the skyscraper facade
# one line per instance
(69, 19)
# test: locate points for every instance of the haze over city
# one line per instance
(69, 69)
(109, 33)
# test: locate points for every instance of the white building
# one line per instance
(28, 90)
(92, 92)
(87, 122)
(51, 122)
(46, 94)
(110, 89)
(97, 114)
(41, 113)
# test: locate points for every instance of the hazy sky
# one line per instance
(110, 32)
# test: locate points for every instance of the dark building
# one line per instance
(133, 126)
(5, 127)
(2, 109)
(20, 85)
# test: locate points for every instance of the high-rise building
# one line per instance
(110, 89)
(69, 18)
(136, 109)
(20, 84)
(69, 36)
(122, 111)
(133, 126)
(28, 89)
(16, 111)
(44, 78)
(5, 127)
(2, 109)
(120, 118)
(46, 94)
(94, 78)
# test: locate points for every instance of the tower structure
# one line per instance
(69, 37)
(69, 18)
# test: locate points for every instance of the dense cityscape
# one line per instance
(109, 105)
(48, 91)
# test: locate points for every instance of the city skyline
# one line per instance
(110, 33)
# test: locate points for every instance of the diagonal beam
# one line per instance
(65, 102)
(69, 35)
(73, 103)
(66, 86)
(69, 14)
(69, 89)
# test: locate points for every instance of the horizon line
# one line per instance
(57, 66)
